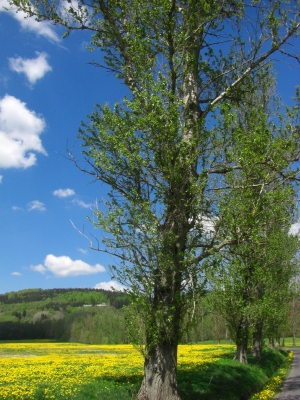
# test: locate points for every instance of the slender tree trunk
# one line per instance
(257, 339)
(242, 342)
(277, 342)
(294, 338)
(271, 343)
(160, 368)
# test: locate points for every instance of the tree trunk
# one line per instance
(242, 342)
(160, 369)
(241, 352)
(257, 339)
(271, 343)
(294, 339)
(277, 343)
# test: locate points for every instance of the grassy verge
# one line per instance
(275, 383)
(227, 379)
(224, 379)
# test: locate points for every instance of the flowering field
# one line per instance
(50, 370)
(63, 368)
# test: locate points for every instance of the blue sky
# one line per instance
(46, 89)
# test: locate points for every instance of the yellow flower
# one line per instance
(64, 367)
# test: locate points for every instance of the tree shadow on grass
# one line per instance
(227, 379)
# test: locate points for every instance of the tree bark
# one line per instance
(294, 339)
(242, 342)
(160, 369)
(241, 352)
(257, 339)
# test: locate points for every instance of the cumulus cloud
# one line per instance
(33, 68)
(43, 28)
(295, 228)
(63, 192)
(20, 129)
(64, 266)
(109, 285)
(81, 203)
(16, 274)
(36, 205)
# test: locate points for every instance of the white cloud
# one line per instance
(208, 225)
(295, 228)
(65, 266)
(15, 208)
(1, 177)
(19, 134)
(36, 205)
(38, 268)
(83, 251)
(109, 285)
(16, 274)
(81, 203)
(63, 192)
(43, 28)
(33, 68)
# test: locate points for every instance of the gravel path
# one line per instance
(291, 386)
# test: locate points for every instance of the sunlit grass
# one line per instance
(288, 342)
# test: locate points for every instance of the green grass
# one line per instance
(288, 342)
(225, 379)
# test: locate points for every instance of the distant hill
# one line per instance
(74, 297)
(79, 315)
(86, 315)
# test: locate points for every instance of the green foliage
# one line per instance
(257, 209)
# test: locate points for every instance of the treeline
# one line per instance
(104, 326)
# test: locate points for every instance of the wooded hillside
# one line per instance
(73, 315)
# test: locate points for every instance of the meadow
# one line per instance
(51, 370)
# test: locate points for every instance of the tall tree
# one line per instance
(155, 149)
(257, 209)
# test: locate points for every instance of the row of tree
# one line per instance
(251, 285)
(199, 161)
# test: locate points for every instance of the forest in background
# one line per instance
(79, 315)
